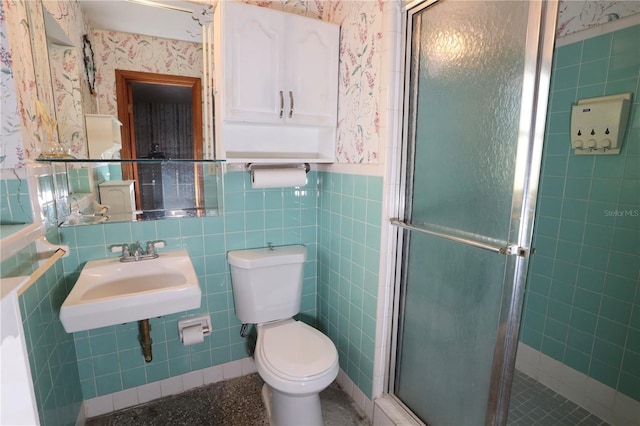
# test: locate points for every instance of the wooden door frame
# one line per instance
(124, 78)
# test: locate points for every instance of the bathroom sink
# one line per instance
(110, 292)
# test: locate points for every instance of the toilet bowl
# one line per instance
(295, 360)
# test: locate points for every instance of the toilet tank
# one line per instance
(267, 282)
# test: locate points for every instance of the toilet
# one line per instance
(295, 360)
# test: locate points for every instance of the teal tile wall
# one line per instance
(51, 350)
(15, 205)
(47, 200)
(582, 303)
(348, 260)
(109, 359)
(80, 180)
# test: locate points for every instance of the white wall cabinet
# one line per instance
(103, 136)
(276, 85)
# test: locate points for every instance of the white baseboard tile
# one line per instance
(248, 366)
(626, 410)
(99, 405)
(388, 413)
(146, 393)
(173, 385)
(192, 379)
(212, 374)
(597, 398)
(124, 399)
(82, 417)
(231, 370)
(364, 404)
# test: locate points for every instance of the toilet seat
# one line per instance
(294, 357)
(297, 351)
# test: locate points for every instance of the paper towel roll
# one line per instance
(278, 177)
(192, 335)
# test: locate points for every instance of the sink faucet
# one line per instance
(138, 254)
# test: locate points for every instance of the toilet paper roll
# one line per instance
(192, 335)
(278, 177)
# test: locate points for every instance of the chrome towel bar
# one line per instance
(506, 250)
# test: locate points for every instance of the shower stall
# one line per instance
(476, 83)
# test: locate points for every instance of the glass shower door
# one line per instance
(473, 140)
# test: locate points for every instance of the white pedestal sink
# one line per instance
(110, 292)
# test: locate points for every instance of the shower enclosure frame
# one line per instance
(535, 89)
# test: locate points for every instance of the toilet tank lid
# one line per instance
(261, 257)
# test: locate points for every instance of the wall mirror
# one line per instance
(97, 191)
(143, 115)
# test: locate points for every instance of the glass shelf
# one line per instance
(128, 160)
(94, 191)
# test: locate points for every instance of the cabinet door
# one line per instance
(253, 43)
(311, 75)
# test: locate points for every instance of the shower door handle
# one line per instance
(506, 250)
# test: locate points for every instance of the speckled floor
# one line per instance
(235, 402)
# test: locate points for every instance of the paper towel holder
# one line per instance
(202, 320)
(252, 166)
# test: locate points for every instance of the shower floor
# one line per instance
(235, 402)
(532, 403)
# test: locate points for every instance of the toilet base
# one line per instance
(291, 410)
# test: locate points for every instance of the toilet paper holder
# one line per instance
(203, 320)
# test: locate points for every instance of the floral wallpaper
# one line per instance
(574, 16)
(72, 96)
(11, 153)
(359, 71)
(25, 34)
(67, 77)
(135, 52)
(26, 129)
(360, 77)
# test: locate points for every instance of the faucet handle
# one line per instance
(156, 244)
(117, 248)
(124, 248)
(152, 245)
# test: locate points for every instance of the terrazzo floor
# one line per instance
(235, 402)
(532, 403)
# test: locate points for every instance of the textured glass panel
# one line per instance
(471, 62)
(449, 333)
(467, 74)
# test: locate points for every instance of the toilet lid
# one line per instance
(298, 350)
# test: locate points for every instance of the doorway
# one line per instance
(476, 91)
(161, 119)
